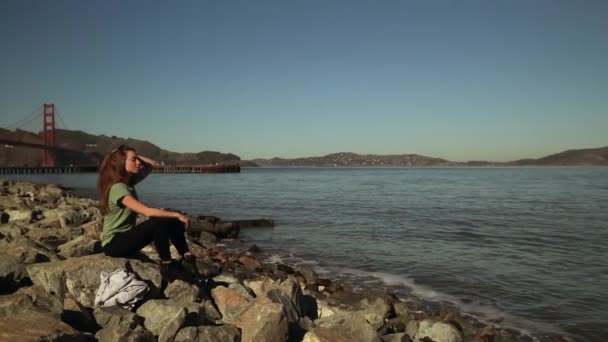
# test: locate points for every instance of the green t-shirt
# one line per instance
(119, 218)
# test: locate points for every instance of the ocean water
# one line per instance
(526, 248)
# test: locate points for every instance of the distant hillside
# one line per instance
(357, 160)
(94, 147)
(584, 157)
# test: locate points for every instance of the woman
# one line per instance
(121, 237)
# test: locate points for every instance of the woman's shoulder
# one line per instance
(121, 185)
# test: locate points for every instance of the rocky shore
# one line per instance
(50, 266)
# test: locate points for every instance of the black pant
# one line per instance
(161, 230)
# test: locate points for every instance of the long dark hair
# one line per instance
(112, 171)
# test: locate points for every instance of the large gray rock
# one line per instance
(172, 326)
(223, 333)
(115, 315)
(33, 299)
(55, 236)
(80, 246)
(399, 337)
(263, 320)
(36, 327)
(160, 312)
(375, 309)
(343, 327)
(229, 301)
(19, 215)
(26, 250)
(10, 231)
(12, 274)
(438, 331)
(79, 277)
(183, 292)
(123, 334)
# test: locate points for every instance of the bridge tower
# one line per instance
(49, 134)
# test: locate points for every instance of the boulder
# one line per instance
(399, 337)
(78, 316)
(124, 334)
(12, 274)
(93, 229)
(376, 310)
(229, 301)
(344, 327)
(33, 299)
(117, 316)
(19, 215)
(80, 277)
(262, 285)
(222, 333)
(27, 250)
(80, 246)
(11, 231)
(160, 312)
(183, 292)
(263, 320)
(438, 331)
(172, 326)
(37, 327)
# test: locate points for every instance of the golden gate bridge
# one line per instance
(50, 149)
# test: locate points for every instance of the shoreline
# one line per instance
(315, 286)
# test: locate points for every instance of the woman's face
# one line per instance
(132, 164)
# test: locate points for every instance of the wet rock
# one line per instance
(342, 327)
(225, 278)
(375, 310)
(262, 285)
(308, 272)
(206, 238)
(254, 249)
(79, 277)
(438, 331)
(250, 263)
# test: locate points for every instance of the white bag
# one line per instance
(119, 288)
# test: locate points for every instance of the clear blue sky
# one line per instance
(461, 80)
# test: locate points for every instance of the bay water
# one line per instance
(523, 247)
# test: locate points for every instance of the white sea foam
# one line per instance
(484, 313)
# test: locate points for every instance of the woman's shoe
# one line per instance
(170, 271)
(189, 264)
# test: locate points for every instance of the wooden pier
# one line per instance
(93, 168)
(197, 168)
(47, 169)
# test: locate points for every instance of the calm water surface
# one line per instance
(524, 246)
